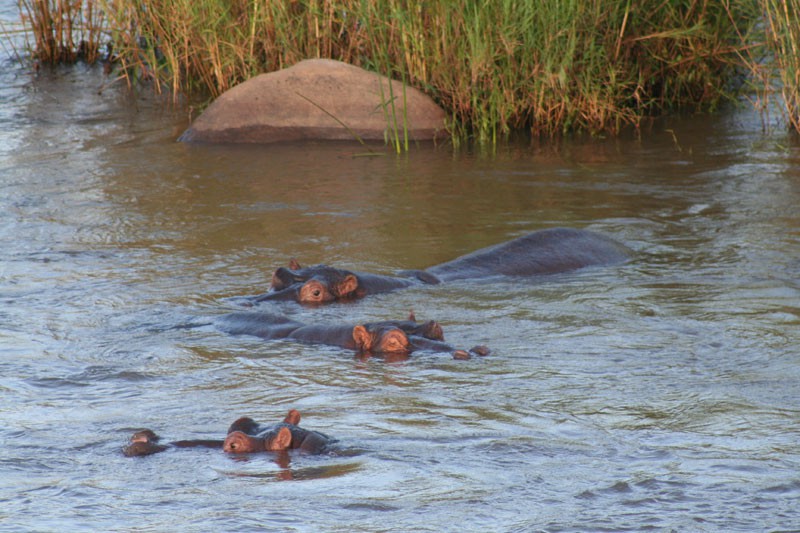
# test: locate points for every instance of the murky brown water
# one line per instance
(663, 394)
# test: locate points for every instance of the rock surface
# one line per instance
(278, 106)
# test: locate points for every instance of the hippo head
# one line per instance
(428, 330)
(381, 339)
(276, 440)
(144, 442)
(315, 284)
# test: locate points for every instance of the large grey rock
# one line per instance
(275, 107)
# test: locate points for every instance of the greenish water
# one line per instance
(661, 394)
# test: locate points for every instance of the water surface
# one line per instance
(663, 394)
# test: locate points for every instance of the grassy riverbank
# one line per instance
(495, 66)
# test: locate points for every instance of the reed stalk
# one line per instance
(782, 21)
(64, 31)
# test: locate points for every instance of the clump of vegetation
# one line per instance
(64, 31)
(495, 66)
(550, 67)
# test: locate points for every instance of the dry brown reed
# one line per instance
(64, 31)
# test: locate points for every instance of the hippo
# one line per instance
(540, 253)
(392, 338)
(245, 435)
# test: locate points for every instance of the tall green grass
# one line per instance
(496, 66)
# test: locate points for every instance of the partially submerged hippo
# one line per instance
(245, 435)
(397, 338)
(549, 251)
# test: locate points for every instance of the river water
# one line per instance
(663, 394)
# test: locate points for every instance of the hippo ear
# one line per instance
(244, 424)
(281, 278)
(293, 264)
(348, 286)
(362, 339)
(281, 441)
(145, 435)
(293, 417)
(432, 330)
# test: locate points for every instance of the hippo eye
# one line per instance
(313, 292)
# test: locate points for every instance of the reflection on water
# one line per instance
(659, 394)
(285, 471)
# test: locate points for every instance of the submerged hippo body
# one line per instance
(245, 435)
(541, 253)
(391, 337)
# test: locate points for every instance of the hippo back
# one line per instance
(543, 252)
(259, 324)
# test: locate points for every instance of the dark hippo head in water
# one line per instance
(315, 284)
(398, 339)
(285, 436)
(320, 284)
